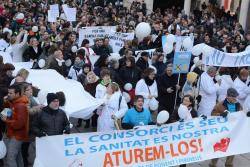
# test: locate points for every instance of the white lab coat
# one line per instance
(246, 105)
(226, 83)
(74, 73)
(208, 90)
(242, 89)
(100, 91)
(111, 107)
(144, 90)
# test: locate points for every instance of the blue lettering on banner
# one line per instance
(218, 57)
(72, 141)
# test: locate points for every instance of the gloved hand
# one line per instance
(42, 134)
(204, 117)
(248, 114)
(224, 114)
(181, 120)
(198, 98)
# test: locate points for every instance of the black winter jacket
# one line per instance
(50, 122)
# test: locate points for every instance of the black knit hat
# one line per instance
(51, 97)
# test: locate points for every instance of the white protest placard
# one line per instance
(117, 40)
(54, 9)
(70, 14)
(168, 145)
(150, 51)
(91, 33)
(214, 57)
(51, 16)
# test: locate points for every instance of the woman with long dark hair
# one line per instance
(147, 87)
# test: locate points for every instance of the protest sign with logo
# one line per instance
(182, 43)
(168, 145)
(181, 62)
(91, 33)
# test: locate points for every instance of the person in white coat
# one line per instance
(102, 86)
(147, 87)
(208, 90)
(226, 83)
(114, 107)
(241, 84)
(17, 46)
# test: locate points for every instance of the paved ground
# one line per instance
(239, 161)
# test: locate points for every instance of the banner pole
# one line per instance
(176, 93)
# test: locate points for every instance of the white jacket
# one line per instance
(144, 90)
(242, 89)
(19, 48)
(100, 91)
(208, 90)
(111, 107)
(74, 73)
(226, 82)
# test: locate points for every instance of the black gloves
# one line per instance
(181, 120)
(224, 114)
(198, 98)
(248, 114)
(204, 117)
(41, 134)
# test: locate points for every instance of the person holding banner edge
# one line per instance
(138, 115)
(229, 105)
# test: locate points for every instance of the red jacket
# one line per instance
(18, 124)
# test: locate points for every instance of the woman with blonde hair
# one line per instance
(114, 107)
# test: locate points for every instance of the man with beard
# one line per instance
(17, 125)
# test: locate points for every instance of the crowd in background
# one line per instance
(32, 37)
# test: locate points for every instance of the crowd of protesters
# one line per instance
(28, 36)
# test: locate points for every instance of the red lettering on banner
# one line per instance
(116, 154)
(108, 160)
(183, 148)
(194, 146)
(134, 156)
(173, 154)
(138, 153)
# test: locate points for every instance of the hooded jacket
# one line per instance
(18, 124)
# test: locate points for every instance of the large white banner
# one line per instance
(168, 145)
(214, 57)
(117, 40)
(79, 103)
(92, 33)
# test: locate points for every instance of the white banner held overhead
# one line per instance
(169, 145)
(117, 40)
(79, 103)
(91, 33)
(214, 57)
